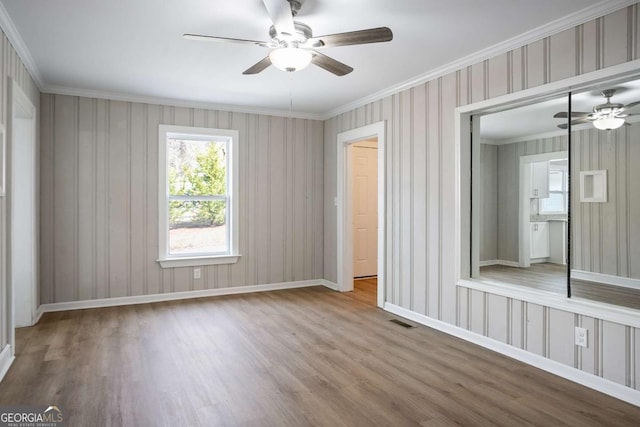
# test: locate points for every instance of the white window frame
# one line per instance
(564, 192)
(166, 259)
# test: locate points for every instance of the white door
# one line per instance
(365, 210)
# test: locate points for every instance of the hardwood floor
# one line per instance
(545, 276)
(365, 290)
(298, 357)
(553, 278)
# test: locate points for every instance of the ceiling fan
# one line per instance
(605, 116)
(293, 44)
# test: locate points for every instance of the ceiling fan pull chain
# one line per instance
(290, 94)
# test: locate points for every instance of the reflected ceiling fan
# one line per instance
(605, 116)
(293, 45)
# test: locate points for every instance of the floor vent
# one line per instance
(401, 323)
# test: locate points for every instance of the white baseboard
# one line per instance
(6, 359)
(588, 380)
(625, 282)
(499, 262)
(39, 313)
(329, 284)
(173, 296)
(539, 260)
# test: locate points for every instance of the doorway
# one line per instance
(364, 192)
(348, 254)
(22, 213)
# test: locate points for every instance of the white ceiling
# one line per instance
(135, 47)
(518, 124)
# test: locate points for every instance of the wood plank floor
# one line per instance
(553, 278)
(545, 276)
(298, 357)
(365, 290)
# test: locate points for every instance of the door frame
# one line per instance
(344, 204)
(19, 103)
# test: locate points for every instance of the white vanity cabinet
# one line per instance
(539, 240)
(539, 180)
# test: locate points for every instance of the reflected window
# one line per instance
(558, 200)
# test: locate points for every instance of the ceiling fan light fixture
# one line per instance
(608, 123)
(290, 58)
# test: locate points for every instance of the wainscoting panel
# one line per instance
(100, 193)
(561, 337)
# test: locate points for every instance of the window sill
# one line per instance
(198, 261)
(595, 309)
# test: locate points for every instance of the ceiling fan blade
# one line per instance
(574, 122)
(372, 35)
(564, 114)
(330, 64)
(258, 66)
(280, 13)
(200, 37)
(631, 106)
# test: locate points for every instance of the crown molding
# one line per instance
(118, 96)
(554, 27)
(545, 135)
(18, 44)
(577, 18)
(525, 138)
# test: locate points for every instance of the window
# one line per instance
(197, 196)
(557, 202)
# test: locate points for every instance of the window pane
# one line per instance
(555, 203)
(555, 180)
(198, 227)
(197, 168)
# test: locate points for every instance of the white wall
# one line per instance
(421, 195)
(99, 228)
(10, 66)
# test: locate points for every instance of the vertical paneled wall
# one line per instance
(99, 202)
(10, 66)
(488, 198)
(607, 235)
(420, 194)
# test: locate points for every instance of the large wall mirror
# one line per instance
(556, 194)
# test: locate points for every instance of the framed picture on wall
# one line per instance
(3, 162)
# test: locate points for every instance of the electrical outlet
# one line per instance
(582, 337)
(196, 273)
